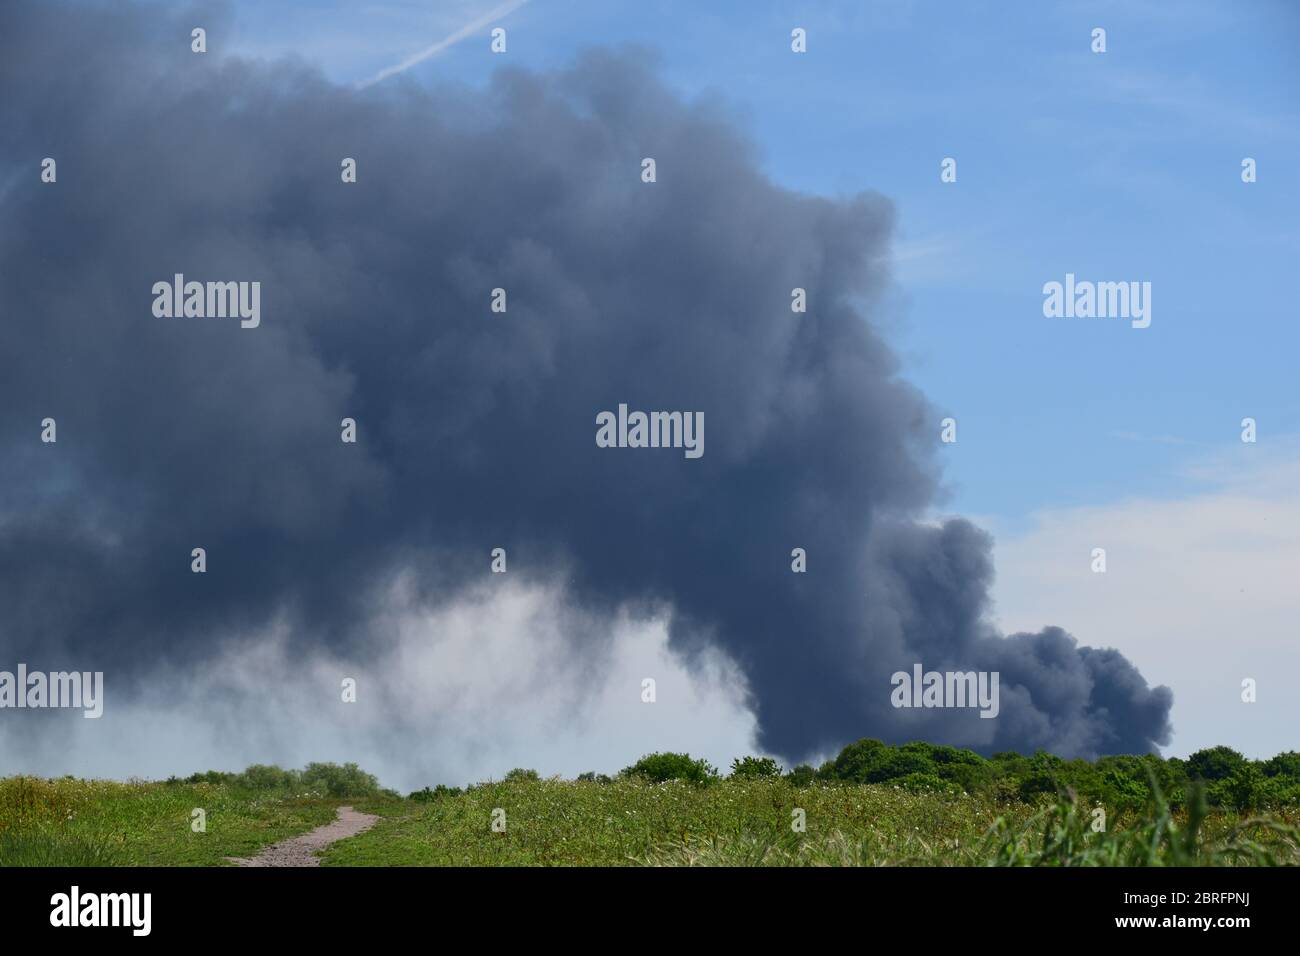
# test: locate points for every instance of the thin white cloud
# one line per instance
(1199, 592)
(429, 52)
(1157, 439)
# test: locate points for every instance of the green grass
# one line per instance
(70, 822)
(729, 822)
(739, 822)
(54, 848)
(552, 822)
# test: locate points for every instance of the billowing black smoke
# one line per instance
(476, 429)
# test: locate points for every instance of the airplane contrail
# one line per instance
(466, 30)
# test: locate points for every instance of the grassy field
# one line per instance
(70, 822)
(749, 823)
(729, 821)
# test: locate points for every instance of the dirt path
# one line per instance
(301, 850)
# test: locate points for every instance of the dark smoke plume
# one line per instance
(476, 429)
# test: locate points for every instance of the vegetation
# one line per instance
(316, 779)
(755, 767)
(874, 804)
(71, 822)
(658, 768)
(1226, 778)
(750, 822)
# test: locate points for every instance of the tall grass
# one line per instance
(1059, 834)
(72, 822)
(1062, 834)
(53, 848)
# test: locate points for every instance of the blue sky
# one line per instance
(1116, 166)
(1074, 434)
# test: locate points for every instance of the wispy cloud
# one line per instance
(429, 52)
(1200, 590)
(1158, 439)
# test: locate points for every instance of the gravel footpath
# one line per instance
(302, 850)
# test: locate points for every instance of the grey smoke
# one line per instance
(476, 429)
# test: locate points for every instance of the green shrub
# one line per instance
(1122, 789)
(266, 777)
(210, 776)
(802, 775)
(333, 780)
(861, 761)
(428, 796)
(965, 768)
(1284, 765)
(755, 767)
(1216, 763)
(658, 767)
(1244, 791)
